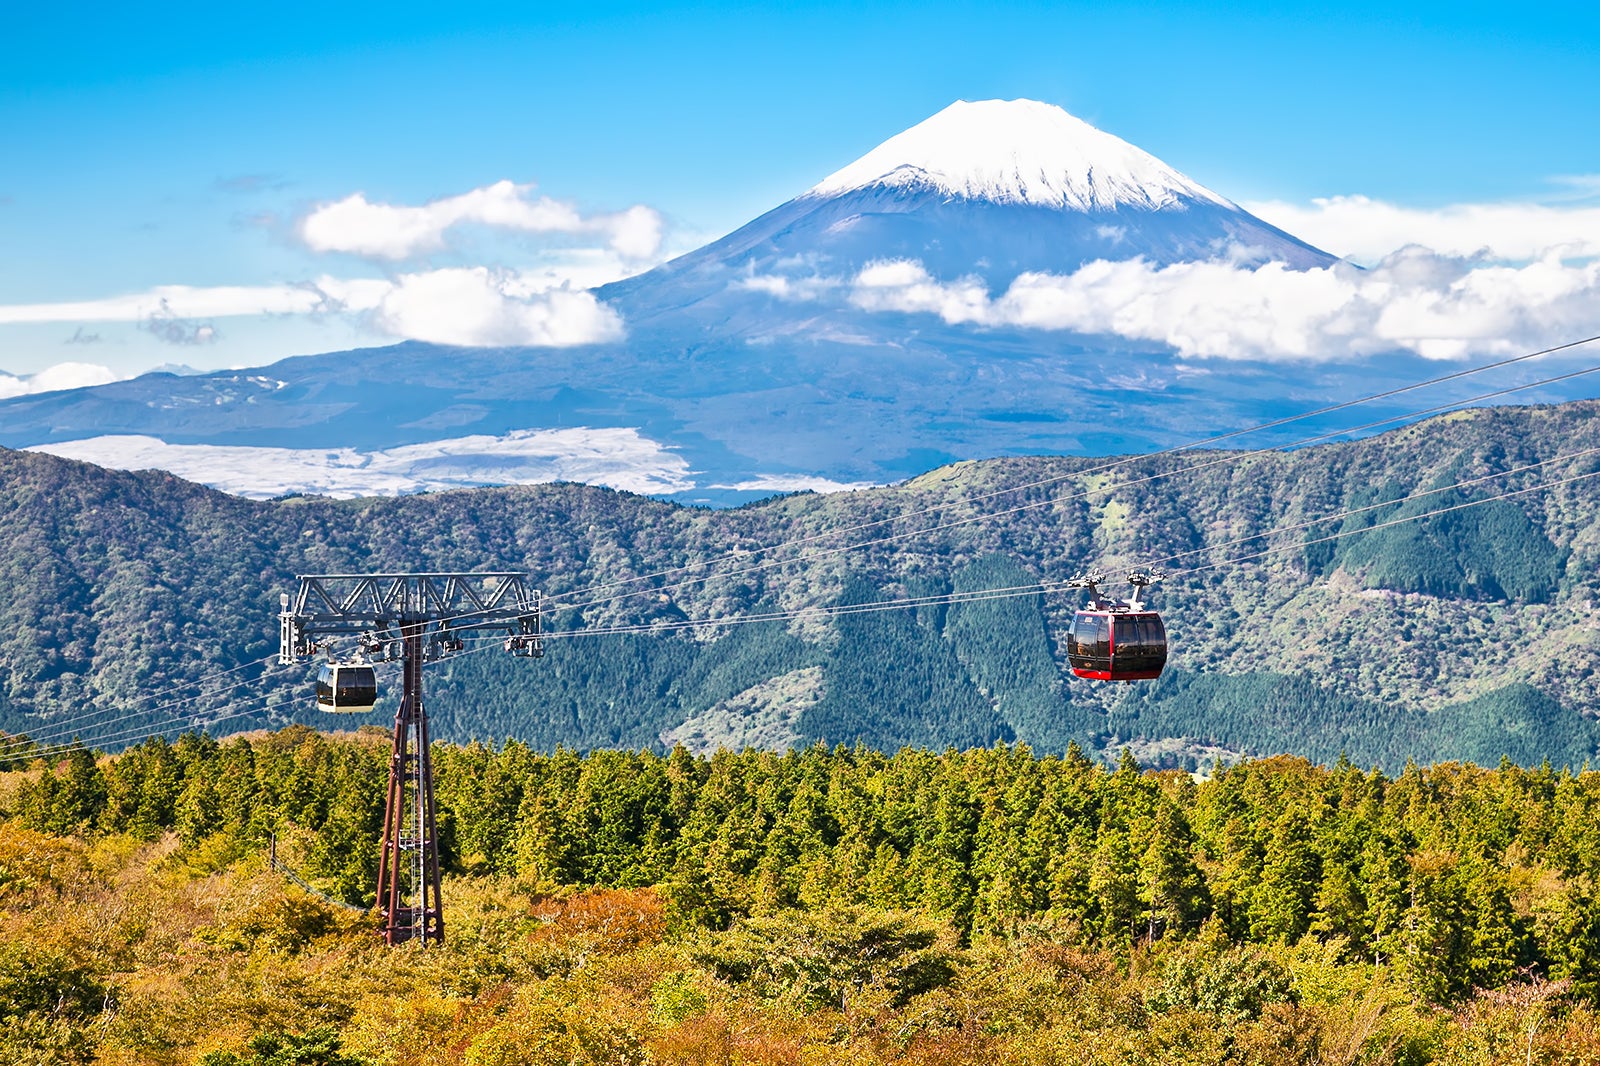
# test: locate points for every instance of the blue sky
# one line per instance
(180, 145)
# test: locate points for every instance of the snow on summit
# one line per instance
(1019, 152)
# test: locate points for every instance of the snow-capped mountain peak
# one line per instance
(1019, 152)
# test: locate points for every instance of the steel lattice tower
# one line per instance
(409, 618)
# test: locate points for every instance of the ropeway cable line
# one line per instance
(1191, 445)
(1035, 588)
(123, 713)
(57, 723)
(126, 711)
(1223, 460)
(555, 602)
(197, 719)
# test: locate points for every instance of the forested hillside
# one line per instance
(1469, 635)
(821, 906)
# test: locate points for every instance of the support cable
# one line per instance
(1036, 588)
(192, 721)
(53, 727)
(1204, 442)
(1223, 460)
(554, 602)
(289, 872)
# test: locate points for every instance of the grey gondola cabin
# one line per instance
(346, 688)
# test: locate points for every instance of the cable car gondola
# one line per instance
(346, 688)
(1117, 640)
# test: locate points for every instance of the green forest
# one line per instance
(143, 603)
(823, 905)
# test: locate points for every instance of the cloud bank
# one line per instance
(621, 458)
(1438, 306)
(55, 378)
(1500, 277)
(794, 483)
(358, 226)
(1367, 230)
(478, 307)
(468, 306)
(178, 301)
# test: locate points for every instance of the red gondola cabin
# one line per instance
(1117, 646)
(1117, 640)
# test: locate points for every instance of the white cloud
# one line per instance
(349, 295)
(905, 285)
(793, 289)
(477, 307)
(181, 301)
(635, 233)
(621, 458)
(794, 483)
(575, 268)
(55, 378)
(1366, 230)
(1415, 300)
(463, 305)
(395, 231)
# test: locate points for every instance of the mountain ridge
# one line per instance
(126, 585)
(1017, 186)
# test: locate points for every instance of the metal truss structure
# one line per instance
(411, 619)
(1140, 577)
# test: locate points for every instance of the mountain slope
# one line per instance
(126, 588)
(993, 188)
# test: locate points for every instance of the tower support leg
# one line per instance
(409, 902)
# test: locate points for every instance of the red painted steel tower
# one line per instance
(410, 619)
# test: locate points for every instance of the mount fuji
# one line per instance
(997, 187)
(759, 362)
